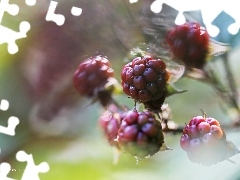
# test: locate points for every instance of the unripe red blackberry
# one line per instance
(204, 141)
(144, 79)
(140, 134)
(109, 123)
(185, 142)
(189, 43)
(91, 75)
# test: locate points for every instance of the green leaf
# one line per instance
(172, 89)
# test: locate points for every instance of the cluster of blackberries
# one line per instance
(145, 80)
(136, 133)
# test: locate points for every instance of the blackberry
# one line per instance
(144, 79)
(91, 75)
(189, 43)
(109, 123)
(204, 141)
(140, 134)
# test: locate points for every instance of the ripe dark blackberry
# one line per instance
(144, 79)
(140, 134)
(204, 141)
(92, 75)
(189, 43)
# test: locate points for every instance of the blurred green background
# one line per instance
(60, 127)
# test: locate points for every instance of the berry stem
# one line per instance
(230, 98)
(231, 81)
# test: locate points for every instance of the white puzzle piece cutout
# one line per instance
(75, 11)
(30, 2)
(12, 121)
(8, 35)
(10, 129)
(210, 10)
(31, 171)
(59, 19)
(5, 168)
(133, 1)
(4, 105)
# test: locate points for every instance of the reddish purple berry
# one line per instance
(216, 131)
(92, 75)
(140, 134)
(184, 142)
(191, 130)
(145, 79)
(203, 127)
(110, 123)
(189, 43)
(202, 139)
(212, 121)
(196, 120)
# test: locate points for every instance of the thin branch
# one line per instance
(231, 81)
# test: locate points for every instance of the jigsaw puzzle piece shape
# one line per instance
(198, 16)
(133, 1)
(4, 105)
(31, 171)
(59, 19)
(76, 11)
(12, 121)
(9, 36)
(223, 21)
(5, 168)
(195, 15)
(230, 9)
(10, 129)
(12, 9)
(30, 2)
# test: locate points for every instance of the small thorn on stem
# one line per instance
(135, 106)
(231, 161)
(204, 114)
